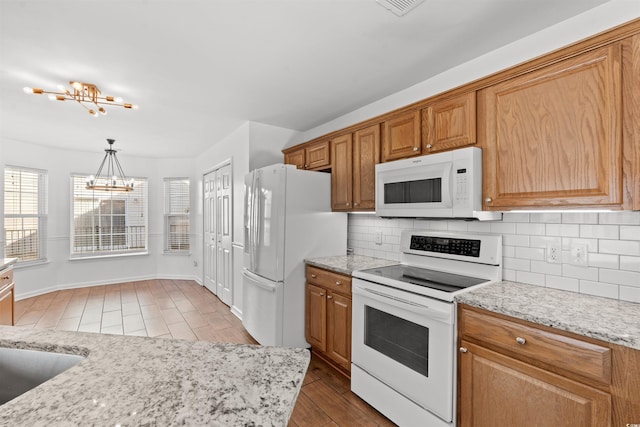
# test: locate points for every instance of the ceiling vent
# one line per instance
(399, 7)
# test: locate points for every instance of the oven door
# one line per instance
(405, 341)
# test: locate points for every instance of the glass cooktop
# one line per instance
(446, 282)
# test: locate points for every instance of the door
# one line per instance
(266, 223)
(263, 308)
(366, 154)
(339, 329)
(406, 342)
(210, 231)
(552, 137)
(341, 173)
(316, 326)
(449, 124)
(223, 223)
(401, 136)
(496, 390)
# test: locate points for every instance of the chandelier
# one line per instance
(110, 181)
(85, 94)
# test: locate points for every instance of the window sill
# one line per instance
(27, 264)
(176, 253)
(94, 257)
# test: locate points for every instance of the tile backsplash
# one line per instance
(612, 242)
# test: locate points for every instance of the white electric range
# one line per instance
(404, 323)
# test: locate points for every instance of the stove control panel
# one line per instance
(445, 245)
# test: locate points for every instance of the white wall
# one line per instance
(59, 271)
(596, 20)
(612, 239)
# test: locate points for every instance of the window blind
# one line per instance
(176, 213)
(107, 222)
(25, 214)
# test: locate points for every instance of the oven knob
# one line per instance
(463, 349)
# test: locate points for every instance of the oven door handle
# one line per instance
(408, 305)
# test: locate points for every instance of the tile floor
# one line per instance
(183, 309)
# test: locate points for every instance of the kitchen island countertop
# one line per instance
(133, 381)
(346, 264)
(606, 319)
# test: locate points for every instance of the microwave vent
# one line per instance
(399, 7)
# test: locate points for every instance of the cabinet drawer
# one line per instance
(332, 281)
(6, 277)
(569, 354)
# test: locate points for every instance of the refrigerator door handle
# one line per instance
(258, 281)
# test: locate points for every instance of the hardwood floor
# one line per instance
(182, 309)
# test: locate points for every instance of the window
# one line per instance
(25, 214)
(108, 222)
(176, 215)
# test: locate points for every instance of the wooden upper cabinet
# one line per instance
(552, 137)
(341, 173)
(401, 136)
(295, 158)
(315, 156)
(366, 154)
(450, 123)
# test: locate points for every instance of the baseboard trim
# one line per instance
(24, 295)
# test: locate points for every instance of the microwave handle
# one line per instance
(404, 304)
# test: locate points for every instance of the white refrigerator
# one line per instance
(287, 218)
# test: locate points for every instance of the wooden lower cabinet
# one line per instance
(328, 317)
(516, 373)
(6, 297)
(496, 390)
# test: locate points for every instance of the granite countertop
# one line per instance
(133, 381)
(601, 318)
(346, 264)
(6, 262)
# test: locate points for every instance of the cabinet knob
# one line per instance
(313, 276)
(463, 349)
(306, 166)
(5, 278)
(338, 283)
(428, 146)
(329, 297)
(321, 295)
(415, 148)
(520, 340)
(347, 203)
(355, 204)
(488, 200)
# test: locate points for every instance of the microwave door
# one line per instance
(423, 190)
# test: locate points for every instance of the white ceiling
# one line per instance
(200, 68)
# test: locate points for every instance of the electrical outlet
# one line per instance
(579, 255)
(378, 237)
(554, 253)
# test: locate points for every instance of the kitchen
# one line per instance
(523, 232)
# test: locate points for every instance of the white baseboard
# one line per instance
(24, 295)
(236, 312)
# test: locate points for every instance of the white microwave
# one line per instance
(441, 185)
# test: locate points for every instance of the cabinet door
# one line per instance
(496, 390)
(552, 137)
(366, 154)
(317, 156)
(450, 123)
(339, 329)
(6, 305)
(316, 327)
(341, 173)
(401, 136)
(295, 158)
